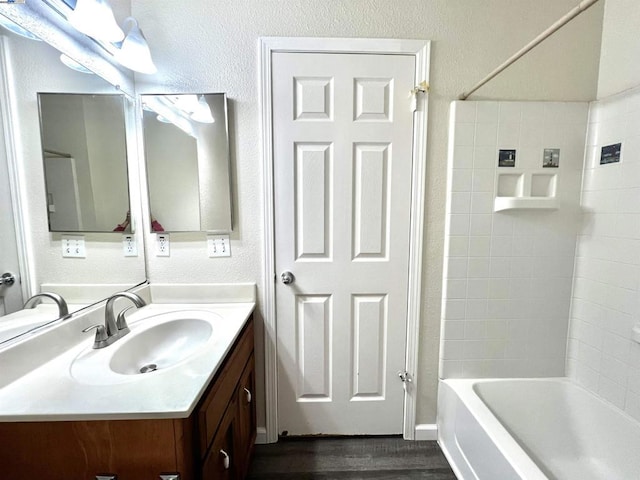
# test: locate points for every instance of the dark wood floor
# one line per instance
(388, 458)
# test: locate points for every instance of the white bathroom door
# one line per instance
(342, 148)
(10, 295)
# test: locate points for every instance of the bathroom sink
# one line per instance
(156, 343)
(160, 346)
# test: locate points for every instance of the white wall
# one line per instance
(619, 65)
(107, 154)
(508, 274)
(172, 173)
(214, 168)
(70, 137)
(601, 356)
(34, 67)
(211, 46)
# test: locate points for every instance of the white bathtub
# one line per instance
(534, 429)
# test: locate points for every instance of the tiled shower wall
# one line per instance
(508, 275)
(601, 355)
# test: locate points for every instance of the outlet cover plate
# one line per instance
(218, 246)
(129, 246)
(162, 245)
(73, 246)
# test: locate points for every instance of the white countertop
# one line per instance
(51, 393)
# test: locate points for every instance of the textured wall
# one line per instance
(619, 66)
(211, 46)
(34, 67)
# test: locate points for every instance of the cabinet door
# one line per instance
(246, 417)
(220, 463)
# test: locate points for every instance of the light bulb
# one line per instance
(72, 64)
(134, 52)
(17, 29)
(95, 19)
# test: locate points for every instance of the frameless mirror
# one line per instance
(85, 162)
(187, 160)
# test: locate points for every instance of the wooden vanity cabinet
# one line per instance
(227, 417)
(214, 442)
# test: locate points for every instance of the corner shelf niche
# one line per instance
(525, 191)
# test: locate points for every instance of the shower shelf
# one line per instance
(524, 203)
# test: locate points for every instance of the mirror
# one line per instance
(28, 67)
(85, 162)
(187, 161)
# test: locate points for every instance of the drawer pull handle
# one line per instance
(225, 459)
(246, 390)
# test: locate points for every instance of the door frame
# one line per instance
(12, 153)
(420, 49)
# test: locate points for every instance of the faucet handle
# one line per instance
(121, 322)
(101, 335)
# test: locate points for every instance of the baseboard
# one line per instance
(426, 431)
(261, 437)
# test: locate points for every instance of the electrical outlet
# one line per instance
(218, 246)
(129, 246)
(73, 246)
(162, 245)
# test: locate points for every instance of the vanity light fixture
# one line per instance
(73, 65)
(17, 29)
(178, 121)
(95, 19)
(185, 102)
(134, 52)
(203, 113)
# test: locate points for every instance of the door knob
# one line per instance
(287, 278)
(7, 279)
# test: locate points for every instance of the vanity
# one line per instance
(174, 398)
(87, 413)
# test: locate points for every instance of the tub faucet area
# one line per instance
(63, 309)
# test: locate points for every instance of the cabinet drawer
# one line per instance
(223, 390)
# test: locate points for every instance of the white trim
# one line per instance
(261, 436)
(426, 431)
(420, 49)
(416, 239)
(19, 203)
(270, 332)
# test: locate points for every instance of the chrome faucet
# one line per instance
(63, 310)
(114, 328)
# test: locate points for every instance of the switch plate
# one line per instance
(162, 245)
(73, 246)
(129, 246)
(218, 246)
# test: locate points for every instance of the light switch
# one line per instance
(73, 246)
(218, 246)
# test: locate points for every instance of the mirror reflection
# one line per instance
(187, 160)
(85, 162)
(30, 251)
